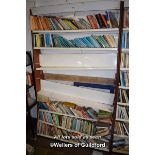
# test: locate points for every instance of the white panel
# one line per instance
(71, 7)
(91, 73)
(77, 92)
(79, 60)
(78, 51)
(58, 2)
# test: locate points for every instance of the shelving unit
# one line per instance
(39, 72)
(120, 87)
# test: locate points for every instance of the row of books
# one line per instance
(124, 96)
(122, 112)
(29, 79)
(122, 128)
(107, 20)
(124, 60)
(71, 123)
(53, 40)
(125, 40)
(75, 110)
(124, 78)
(53, 131)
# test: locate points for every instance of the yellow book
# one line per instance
(38, 40)
(68, 104)
(43, 98)
(71, 25)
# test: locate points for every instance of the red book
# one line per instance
(92, 21)
(104, 21)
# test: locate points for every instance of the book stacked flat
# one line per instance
(107, 20)
(53, 40)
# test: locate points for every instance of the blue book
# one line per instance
(42, 105)
(94, 41)
(92, 85)
(76, 42)
(107, 18)
(47, 40)
(88, 43)
(123, 40)
(127, 44)
(82, 43)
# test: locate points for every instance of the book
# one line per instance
(100, 21)
(125, 40)
(92, 21)
(124, 78)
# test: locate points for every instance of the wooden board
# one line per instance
(74, 78)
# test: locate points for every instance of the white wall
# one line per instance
(29, 4)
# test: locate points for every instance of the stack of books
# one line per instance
(122, 112)
(107, 20)
(124, 96)
(124, 78)
(54, 40)
(124, 60)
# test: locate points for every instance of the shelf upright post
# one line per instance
(117, 77)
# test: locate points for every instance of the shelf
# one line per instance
(125, 50)
(120, 151)
(71, 142)
(88, 119)
(122, 120)
(121, 136)
(123, 104)
(74, 68)
(77, 31)
(123, 87)
(124, 69)
(60, 127)
(126, 29)
(78, 49)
